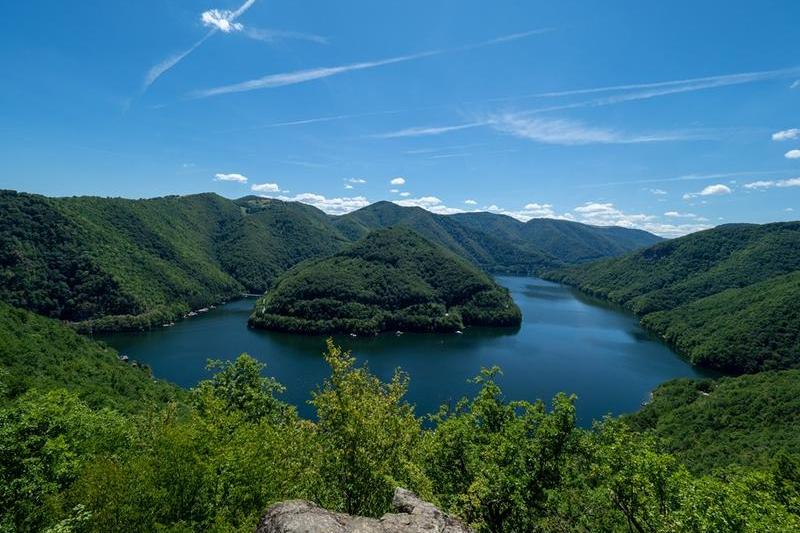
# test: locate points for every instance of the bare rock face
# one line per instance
(413, 516)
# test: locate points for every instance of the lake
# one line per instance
(567, 342)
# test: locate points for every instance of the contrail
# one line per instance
(157, 70)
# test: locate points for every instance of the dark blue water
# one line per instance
(566, 343)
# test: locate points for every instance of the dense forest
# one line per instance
(392, 279)
(114, 263)
(713, 424)
(77, 455)
(726, 297)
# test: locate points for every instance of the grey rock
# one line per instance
(413, 516)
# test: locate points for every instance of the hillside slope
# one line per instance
(39, 353)
(746, 420)
(391, 279)
(498, 242)
(726, 297)
(115, 263)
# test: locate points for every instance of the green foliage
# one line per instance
(40, 353)
(708, 424)
(116, 264)
(392, 279)
(45, 440)
(240, 387)
(725, 297)
(495, 463)
(500, 243)
(219, 462)
(368, 435)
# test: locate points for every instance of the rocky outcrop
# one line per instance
(413, 516)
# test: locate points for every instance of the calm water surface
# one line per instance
(566, 343)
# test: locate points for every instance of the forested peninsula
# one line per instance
(391, 280)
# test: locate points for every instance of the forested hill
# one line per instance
(392, 279)
(725, 297)
(114, 263)
(499, 242)
(135, 263)
(38, 353)
(746, 420)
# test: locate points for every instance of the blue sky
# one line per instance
(668, 116)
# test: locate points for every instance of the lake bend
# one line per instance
(566, 343)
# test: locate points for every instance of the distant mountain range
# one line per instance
(115, 263)
(726, 297)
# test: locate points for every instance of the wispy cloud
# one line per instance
(643, 91)
(569, 132)
(301, 76)
(315, 120)
(770, 184)
(239, 178)
(687, 177)
(425, 131)
(270, 36)
(215, 22)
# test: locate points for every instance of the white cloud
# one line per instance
(792, 154)
(404, 194)
(657, 192)
(271, 36)
(785, 135)
(569, 132)
(789, 209)
(301, 76)
(429, 203)
(357, 180)
(348, 186)
(685, 84)
(792, 182)
(645, 91)
(607, 214)
(398, 181)
(539, 210)
(265, 187)
(332, 206)
(470, 202)
(221, 20)
(230, 177)
(159, 69)
(676, 214)
(711, 190)
(394, 191)
(425, 131)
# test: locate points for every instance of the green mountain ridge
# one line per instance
(392, 279)
(115, 263)
(725, 297)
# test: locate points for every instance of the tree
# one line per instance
(368, 434)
